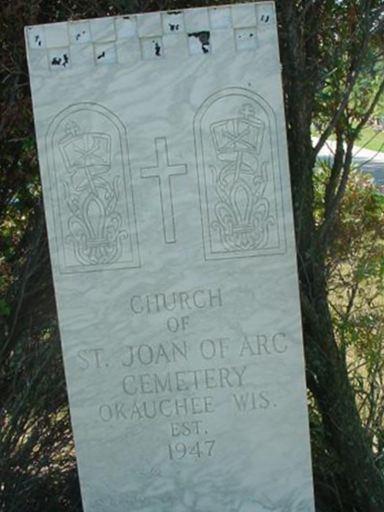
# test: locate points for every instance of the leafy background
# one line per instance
(332, 54)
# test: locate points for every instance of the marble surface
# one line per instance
(163, 157)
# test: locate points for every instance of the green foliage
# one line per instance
(343, 44)
(5, 310)
(356, 294)
(356, 286)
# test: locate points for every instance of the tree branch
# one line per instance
(329, 220)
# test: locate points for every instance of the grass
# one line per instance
(371, 139)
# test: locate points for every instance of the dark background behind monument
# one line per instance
(332, 55)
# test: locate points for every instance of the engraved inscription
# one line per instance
(239, 176)
(92, 200)
(183, 356)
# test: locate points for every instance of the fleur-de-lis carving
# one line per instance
(95, 226)
(242, 213)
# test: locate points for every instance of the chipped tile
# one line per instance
(105, 53)
(173, 22)
(265, 14)
(199, 42)
(152, 47)
(79, 32)
(59, 58)
(36, 37)
(246, 38)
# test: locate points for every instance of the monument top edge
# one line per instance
(269, 4)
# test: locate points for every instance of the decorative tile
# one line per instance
(173, 22)
(105, 53)
(220, 17)
(38, 60)
(222, 40)
(103, 30)
(199, 42)
(82, 55)
(196, 20)
(128, 51)
(126, 27)
(175, 46)
(152, 47)
(243, 15)
(246, 38)
(56, 35)
(149, 24)
(59, 58)
(79, 32)
(265, 14)
(36, 37)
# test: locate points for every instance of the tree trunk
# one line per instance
(327, 374)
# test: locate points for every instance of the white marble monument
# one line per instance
(163, 157)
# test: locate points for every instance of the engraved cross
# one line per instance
(163, 172)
